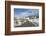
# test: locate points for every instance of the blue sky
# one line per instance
(25, 12)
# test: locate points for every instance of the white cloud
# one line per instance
(26, 13)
